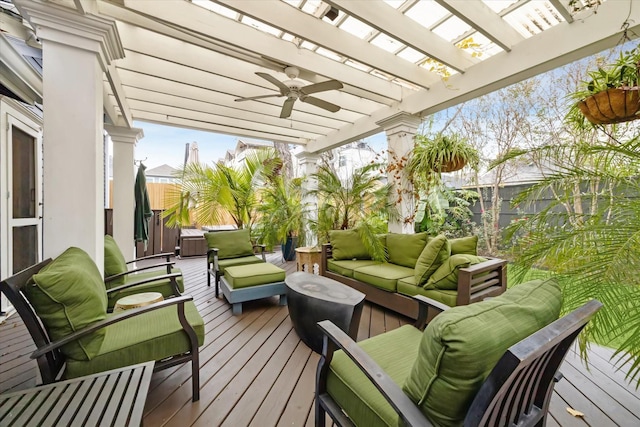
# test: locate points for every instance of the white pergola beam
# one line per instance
(389, 20)
(236, 35)
(227, 130)
(290, 19)
(118, 92)
(479, 16)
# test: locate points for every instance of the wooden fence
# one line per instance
(161, 238)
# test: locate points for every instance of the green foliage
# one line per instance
(446, 211)
(360, 202)
(431, 154)
(281, 210)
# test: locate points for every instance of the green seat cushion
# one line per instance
(67, 295)
(151, 336)
(404, 249)
(114, 262)
(464, 245)
(383, 275)
(251, 275)
(446, 276)
(460, 347)
(347, 244)
(407, 286)
(223, 264)
(346, 267)
(163, 286)
(230, 244)
(434, 254)
(395, 352)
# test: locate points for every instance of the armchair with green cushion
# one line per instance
(493, 363)
(230, 249)
(121, 281)
(63, 304)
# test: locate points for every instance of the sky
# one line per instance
(166, 145)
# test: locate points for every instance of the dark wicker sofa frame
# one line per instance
(475, 283)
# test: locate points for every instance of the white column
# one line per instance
(309, 164)
(401, 130)
(76, 51)
(124, 141)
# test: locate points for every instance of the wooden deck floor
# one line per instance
(256, 372)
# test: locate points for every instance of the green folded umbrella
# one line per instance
(143, 211)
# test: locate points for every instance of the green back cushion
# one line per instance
(67, 295)
(114, 262)
(464, 245)
(404, 249)
(434, 254)
(347, 244)
(461, 346)
(230, 244)
(446, 276)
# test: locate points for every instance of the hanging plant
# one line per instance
(612, 93)
(441, 153)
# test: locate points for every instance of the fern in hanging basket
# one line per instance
(441, 153)
(612, 93)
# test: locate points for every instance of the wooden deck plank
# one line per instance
(255, 370)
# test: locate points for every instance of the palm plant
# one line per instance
(281, 210)
(589, 236)
(361, 201)
(213, 194)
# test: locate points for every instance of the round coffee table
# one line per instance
(312, 298)
(137, 300)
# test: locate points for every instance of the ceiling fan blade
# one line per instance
(321, 87)
(268, 77)
(320, 103)
(287, 107)
(257, 97)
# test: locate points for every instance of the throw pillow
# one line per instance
(404, 249)
(67, 295)
(230, 244)
(460, 347)
(114, 262)
(433, 255)
(464, 245)
(347, 244)
(446, 276)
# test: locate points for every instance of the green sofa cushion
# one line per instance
(347, 244)
(150, 336)
(446, 276)
(460, 347)
(395, 352)
(230, 244)
(162, 286)
(346, 267)
(383, 275)
(407, 286)
(434, 254)
(244, 276)
(67, 295)
(223, 264)
(114, 262)
(464, 245)
(404, 249)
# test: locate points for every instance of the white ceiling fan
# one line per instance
(293, 89)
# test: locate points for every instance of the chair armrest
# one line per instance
(172, 278)
(408, 411)
(179, 301)
(424, 303)
(148, 267)
(478, 281)
(166, 255)
(263, 248)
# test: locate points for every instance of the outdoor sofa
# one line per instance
(446, 270)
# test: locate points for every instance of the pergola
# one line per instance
(184, 63)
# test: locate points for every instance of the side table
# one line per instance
(308, 256)
(312, 298)
(137, 300)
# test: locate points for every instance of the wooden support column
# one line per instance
(124, 140)
(401, 129)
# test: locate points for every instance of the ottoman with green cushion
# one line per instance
(250, 282)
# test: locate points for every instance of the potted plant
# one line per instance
(281, 214)
(611, 93)
(440, 153)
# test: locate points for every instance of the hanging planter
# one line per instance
(440, 153)
(612, 95)
(611, 106)
(454, 164)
